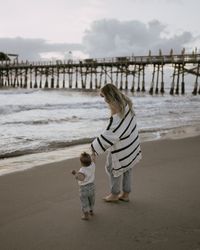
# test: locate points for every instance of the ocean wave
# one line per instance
(19, 152)
(9, 109)
(50, 146)
(44, 121)
(72, 119)
(195, 125)
(153, 130)
(19, 91)
(63, 144)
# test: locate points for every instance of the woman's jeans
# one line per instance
(116, 182)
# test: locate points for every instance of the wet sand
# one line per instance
(40, 208)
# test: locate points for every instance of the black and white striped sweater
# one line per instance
(121, 138)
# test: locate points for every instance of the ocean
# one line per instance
(40, 126)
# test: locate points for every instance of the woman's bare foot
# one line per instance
(124, 197)
(111, 198)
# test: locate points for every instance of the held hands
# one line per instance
(93, 157)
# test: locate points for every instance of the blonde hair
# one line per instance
(116, 98)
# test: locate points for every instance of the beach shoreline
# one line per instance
(25, 162)
(40, 208)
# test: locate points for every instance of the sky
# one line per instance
(59, 29)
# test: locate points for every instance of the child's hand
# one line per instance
(73, 172)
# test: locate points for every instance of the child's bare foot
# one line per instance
(91, 212)
(85, 216)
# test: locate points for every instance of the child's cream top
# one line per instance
(89, 173)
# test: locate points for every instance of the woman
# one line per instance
(121, 140)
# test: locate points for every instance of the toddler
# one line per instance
(85, 177)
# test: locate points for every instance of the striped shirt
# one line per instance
(121, 138)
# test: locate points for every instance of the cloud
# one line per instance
(31, 49)
(111, 37)
(105, 38)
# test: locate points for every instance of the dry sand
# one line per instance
(40, 208)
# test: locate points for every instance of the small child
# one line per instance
(85, 177)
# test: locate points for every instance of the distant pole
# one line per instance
(138, 88)
(35, 75)
(105, 78)
(58, 77)
(183, 63)
(143, 78)
(116, 80)
(111, 73)
(21, 79)
(152, 81)
(133, 81)
(173, 80)
(81, 73)
(76, 76)
(162, 89)
(85, 80)
(183, 82)
(31, 80)
(8, 77)
(64, 75)
(194, 92)
(178, 78)
(25, 78)
(40, 76)
(198, 75)
(126, 76)
(121, 81)
(100, 78)
(46, 79)
(52, 80)
(96, 79)
(1, 79)
(91, 76)
(157, 80)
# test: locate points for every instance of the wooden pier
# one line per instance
(126, 73)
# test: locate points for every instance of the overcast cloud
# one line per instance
(105, 38)
(31, 49)
(112, 37)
